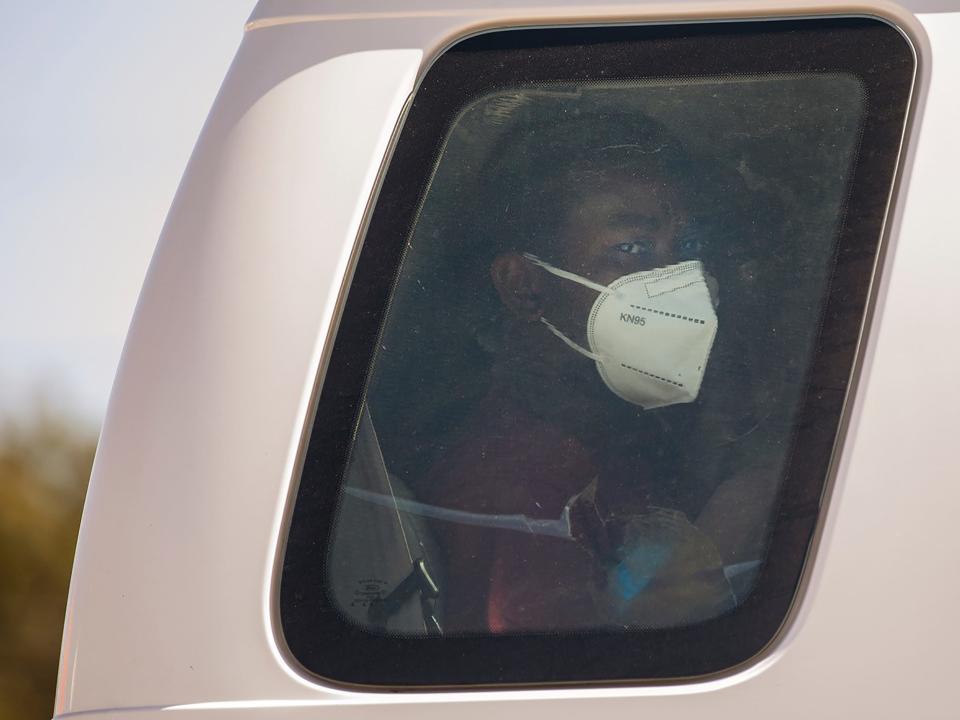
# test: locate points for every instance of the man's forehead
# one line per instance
(628, 202)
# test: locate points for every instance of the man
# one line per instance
(551, 438)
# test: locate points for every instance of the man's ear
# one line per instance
(519, 284)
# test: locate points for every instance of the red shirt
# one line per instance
(497, 580)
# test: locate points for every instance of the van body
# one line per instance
(175, 601)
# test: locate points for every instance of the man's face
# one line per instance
(614, 227)
(623, 228)
(620, 228)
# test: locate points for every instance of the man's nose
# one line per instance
(666, 251)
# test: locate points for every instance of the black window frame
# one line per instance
(335, 650)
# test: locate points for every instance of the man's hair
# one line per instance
(540, 172)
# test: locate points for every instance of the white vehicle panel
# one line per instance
(171, 600)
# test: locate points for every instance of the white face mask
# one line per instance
(650, 332)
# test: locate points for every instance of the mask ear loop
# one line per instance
(576, 346)
(567, 275)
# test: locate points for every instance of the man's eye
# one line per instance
(691, 247)
(635, 247)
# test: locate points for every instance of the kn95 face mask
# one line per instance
(650, 333)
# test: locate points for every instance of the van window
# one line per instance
(591, 368)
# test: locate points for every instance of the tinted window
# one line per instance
(586, 401)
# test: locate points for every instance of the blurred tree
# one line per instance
(44, 467)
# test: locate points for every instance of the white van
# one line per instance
(548, 359)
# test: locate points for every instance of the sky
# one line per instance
(102, 105)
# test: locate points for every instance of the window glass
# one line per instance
(591, 369)
(594, 355)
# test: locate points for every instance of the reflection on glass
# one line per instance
(588, 378)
